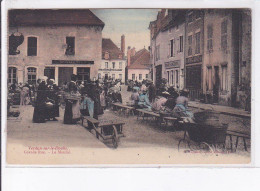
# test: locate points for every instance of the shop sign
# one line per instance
(72, 62)
(172, 64)
(194, 59)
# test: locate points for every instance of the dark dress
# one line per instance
(68, 115)
(52, 94)
(39, 114)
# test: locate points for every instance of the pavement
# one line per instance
(221, 109)
(54, 143)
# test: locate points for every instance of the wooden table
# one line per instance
(123, 108)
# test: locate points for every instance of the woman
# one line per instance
(39, 114)
(144, 101)
(52, 94)
(180, 110)
(72, 108)
(24, 94)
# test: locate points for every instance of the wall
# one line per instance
(137, 72)
(51, 42)
(103, 70)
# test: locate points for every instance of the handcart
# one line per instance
(205, 133)
(106, 129)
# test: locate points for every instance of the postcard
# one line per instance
(111, 87)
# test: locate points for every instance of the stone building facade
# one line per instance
(113, 61)
(167, 47)
(227, 56)
(194, 43)
(54, 43)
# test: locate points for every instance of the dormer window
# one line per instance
(106, 55)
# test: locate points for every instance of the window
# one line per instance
(83, 74)
(120, 65)
(224, 35)
(172, 77)
(140, 77)
(168, 77)
(157, 52)
(12, 75)
(70, 41)
(31, 72)
(177, 77)
(224, 80)
(171, 48)
(133, 76)
(210, 36)
(113, 65)
(120, 76)
(190, 18)
(181, 44)
(49, 72)
(113, 76)
(197, 43)
(99, 76)
(106, 64)
(209, 79)
(32, 46)
(146, 76)
(190, 45)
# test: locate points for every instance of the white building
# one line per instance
(113, 61)
(139, 66)
(167, 47)
(54, 43)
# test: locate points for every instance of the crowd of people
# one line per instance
(161, 99)
(81, 98)
(91, 98)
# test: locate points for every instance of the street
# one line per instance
(144, 142)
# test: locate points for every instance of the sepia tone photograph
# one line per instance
(108, 87)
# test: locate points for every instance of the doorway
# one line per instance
(64, 75)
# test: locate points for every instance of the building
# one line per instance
(227, 56)
(194, 47)
(139, 65)
(167, 47)
(54, 43)
(113, 60)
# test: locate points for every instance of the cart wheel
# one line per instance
(114, 142)
(183, 144)
(206, 147)
(115, 138)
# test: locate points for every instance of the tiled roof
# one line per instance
(42, 17)
(109, 46)
(141, 60)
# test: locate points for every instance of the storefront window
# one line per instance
(83, 74)
(49, 72)
(31, 75)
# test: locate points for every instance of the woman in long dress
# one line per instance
(39, 114)
(72, 108)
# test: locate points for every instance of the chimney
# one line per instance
(128, 56)
(123, 44)
(133, 51)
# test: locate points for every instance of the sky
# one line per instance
(133, 23)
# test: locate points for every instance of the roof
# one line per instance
(43, 17)
(141, 60)
(109, 46)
